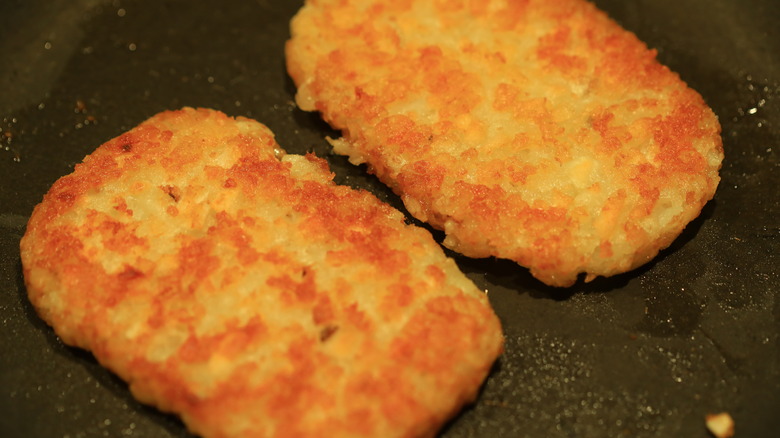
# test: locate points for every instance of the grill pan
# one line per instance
(644, 354)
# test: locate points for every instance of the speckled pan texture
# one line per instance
(643, 354)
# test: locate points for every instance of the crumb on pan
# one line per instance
(720, 425)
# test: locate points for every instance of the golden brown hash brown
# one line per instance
(242, 289)
(534, 130)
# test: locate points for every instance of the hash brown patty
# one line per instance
(534, 130)
(240, 288)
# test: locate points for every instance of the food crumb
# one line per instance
(720, 425)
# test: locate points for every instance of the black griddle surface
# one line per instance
(648, 353)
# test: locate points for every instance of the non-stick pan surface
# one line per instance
(648, 353)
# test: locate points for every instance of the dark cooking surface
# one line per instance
(648, 353)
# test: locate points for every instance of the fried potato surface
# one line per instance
(241, 289)
(534, 130)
